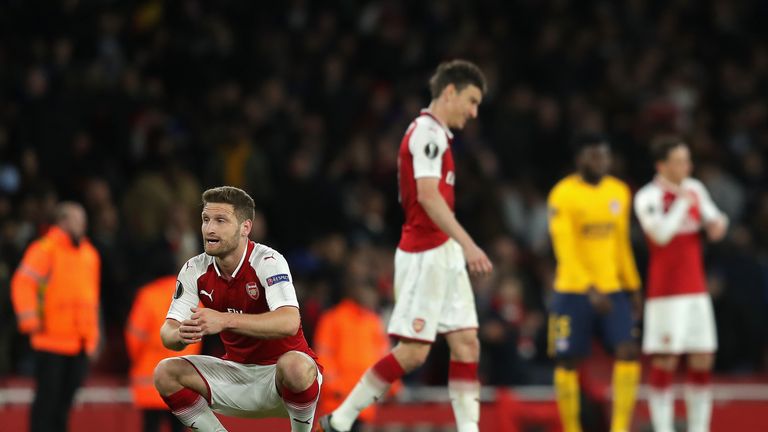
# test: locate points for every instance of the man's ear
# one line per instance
(245, 228)
(449, 92)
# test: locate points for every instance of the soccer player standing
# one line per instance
(248, 299)
(672, 210)
(589, 215)
(432, 287)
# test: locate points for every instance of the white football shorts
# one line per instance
(679, 324)
(432, 293)
(242, 390)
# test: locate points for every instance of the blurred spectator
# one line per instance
(181, 235)
(149, 200)
(349, 337)
(507, 334)
(724, 190)
(146, 350)
(740, 299)
(242, 163)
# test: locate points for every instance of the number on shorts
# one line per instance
(559, 331)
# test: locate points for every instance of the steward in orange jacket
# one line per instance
(349, 338)
(55, 294)
(145, 348)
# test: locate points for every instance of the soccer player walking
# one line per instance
(672, 210)
(589, 215)
(432, 287)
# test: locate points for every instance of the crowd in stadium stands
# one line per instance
(134, 107)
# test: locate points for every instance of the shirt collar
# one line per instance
(663, 183)
(446, 129)
(62, 237)
(242, 260)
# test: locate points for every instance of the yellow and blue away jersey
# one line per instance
(589, 226)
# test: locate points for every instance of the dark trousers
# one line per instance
(57, 378)
(153, 420)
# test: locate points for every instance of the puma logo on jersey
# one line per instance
(209, 294)
(271, 256)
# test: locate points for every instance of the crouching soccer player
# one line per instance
(249, 300)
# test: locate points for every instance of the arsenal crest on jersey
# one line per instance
(418, 325)
(252, 288)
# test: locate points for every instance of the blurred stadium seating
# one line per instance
(134, 107)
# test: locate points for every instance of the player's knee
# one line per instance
(411, 355)
(166, 375)
(420, 356)
(295, 371)
(472, 348)
(464, 345)
(467, 350)
(628, 351)
(568, 363)
(701, 362)
(664, 362)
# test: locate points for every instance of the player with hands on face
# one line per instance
(679, 318)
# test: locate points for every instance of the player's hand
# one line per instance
(210, 321)
(716, 229)
(601, 302)
(677, 189)
(477, 261)
(190, 332)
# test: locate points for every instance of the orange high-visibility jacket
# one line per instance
(142, 338)
(55, 294)
(349, 339)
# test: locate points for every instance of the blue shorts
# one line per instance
(573, 322)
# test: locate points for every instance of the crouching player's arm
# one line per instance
(282, 322)
(174, 338)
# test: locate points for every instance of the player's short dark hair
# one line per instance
(662, 145)
(243, 204)
(460, 73)
(585, 139)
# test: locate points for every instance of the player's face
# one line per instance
(595, 162)
(221, 230)
(678, 165)
(464, 106)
